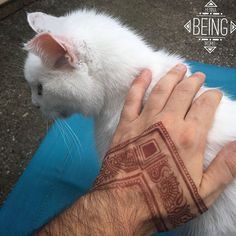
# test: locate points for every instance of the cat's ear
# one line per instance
(54, 51)
(41, 22)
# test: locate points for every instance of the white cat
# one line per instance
(84, 62)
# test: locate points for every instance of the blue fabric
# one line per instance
(58, 174)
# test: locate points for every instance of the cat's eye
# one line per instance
(40, 89)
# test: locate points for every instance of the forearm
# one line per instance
(102, 213)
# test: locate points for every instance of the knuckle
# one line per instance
(160, 89)
(138, 82)
(195, 120)
(167, 118)
(190, 85)
(205, 101)
(134, 96)
(231, 165)
(187, 138)
(230, 160)
(173, 72)
(137, 87)
(129, 101)
(185, 87)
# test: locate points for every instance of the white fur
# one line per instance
(110, 56)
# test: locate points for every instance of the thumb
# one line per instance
(220, 173)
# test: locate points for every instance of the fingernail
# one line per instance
(180, 67)
(146, 75)
(146, 72)
(218, 92)
(200, 75)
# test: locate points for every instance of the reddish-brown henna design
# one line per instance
(159, 172)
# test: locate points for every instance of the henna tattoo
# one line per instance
(159, 172)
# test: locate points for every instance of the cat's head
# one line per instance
(58, 70)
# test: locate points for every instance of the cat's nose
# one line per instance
(35, 103)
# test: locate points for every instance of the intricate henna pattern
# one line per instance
(159, 172)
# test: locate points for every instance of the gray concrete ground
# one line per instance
(161, 22)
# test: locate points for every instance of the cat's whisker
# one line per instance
(75, 137)
(68, 132)
(64, 131)
(60, 128)
(67, 135)
(73, 133)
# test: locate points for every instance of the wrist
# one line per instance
(121, 211)
(104, 212)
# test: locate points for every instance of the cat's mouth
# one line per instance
(63, 114)
(55, 114)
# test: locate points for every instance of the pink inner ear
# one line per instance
(53, 50)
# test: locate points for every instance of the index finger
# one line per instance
(133, 101)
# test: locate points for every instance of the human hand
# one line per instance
(152, 177)
(156, 156)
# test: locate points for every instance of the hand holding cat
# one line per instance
(152, 177)
(158, 151)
